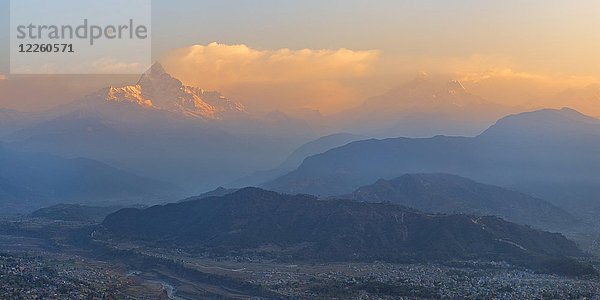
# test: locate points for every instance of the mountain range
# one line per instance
(194, 140)
(550, 154)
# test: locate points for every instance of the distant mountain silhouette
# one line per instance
(319, 146)
(445, 193)
(295, 159)
(550, 154)
(302, 227)
(423, 107)
(33, 180)
(547, 125)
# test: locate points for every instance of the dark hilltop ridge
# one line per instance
(301, 227)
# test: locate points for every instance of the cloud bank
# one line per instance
(501, 80)
(276, 79)
(334, 80)
(535, 90)
(41, 92)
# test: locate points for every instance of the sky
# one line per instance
(512, 52)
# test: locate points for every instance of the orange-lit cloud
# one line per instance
(534, 82)
(534, 90)
(41, 92)
(499, 79)
(2, 77)
(274, 79)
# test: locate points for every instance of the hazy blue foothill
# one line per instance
(33, 180)
(445, 193)
(550, 154)
(296, 158)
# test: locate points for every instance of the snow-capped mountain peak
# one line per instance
(132, 93)
(159, 90)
